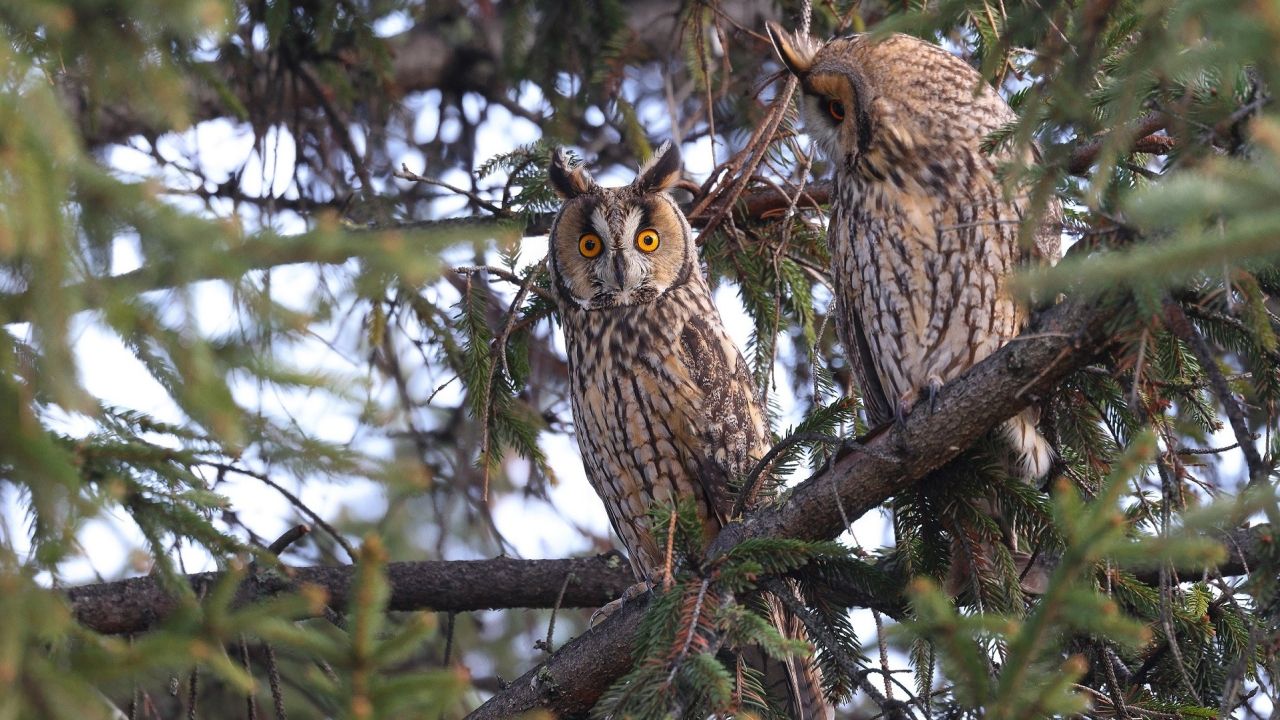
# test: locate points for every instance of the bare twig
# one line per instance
(1182, 327)
(290, 536)
(295, 501)
(547, 645)
(404, 173)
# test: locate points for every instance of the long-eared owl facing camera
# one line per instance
(923, 237)
(663, 404)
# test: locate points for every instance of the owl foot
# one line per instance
(610, 608)
(903, 409)
(935, 388)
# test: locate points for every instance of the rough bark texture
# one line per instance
(1064, 339)
(137, 604)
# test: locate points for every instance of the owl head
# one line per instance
(836, 98)
(616, 247)
(897, 94)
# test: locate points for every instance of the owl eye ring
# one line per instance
(836, 109)
(589, 245)
(647, 240)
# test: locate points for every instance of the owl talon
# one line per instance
(935, 389)
(904, 406)
(610, 608)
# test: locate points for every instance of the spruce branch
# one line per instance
(1259, 470)
(1062, 341)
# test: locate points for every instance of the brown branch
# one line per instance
(1064, 340)
(137, 604)
(1144, 140)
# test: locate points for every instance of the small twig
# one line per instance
(547, 647)
(1213, 451)
(1166, 582)
(693, 630)
(1113, 685)
(500, 346)
(273, 679)
(193, 692)
(290, 536)
(1183, 328)
(504, 274)
(295, 501)
(251, 703)
(749, 486)
(448, 636)
(668, 574)
(883, 646)
(404, 173)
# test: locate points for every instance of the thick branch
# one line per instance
(137, 604)
(1064, 340)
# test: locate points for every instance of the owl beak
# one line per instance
(619, 270)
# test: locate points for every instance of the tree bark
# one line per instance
(137, 604)
(1063, 340)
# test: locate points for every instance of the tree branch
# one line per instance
(1063, 340)
(138, 604)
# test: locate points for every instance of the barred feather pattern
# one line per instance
(923, 237)
(663, 403)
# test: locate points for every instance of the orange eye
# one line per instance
(836, 109)
(647, 240)
(589, 245)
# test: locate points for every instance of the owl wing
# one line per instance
(731, 429)
(859, 355)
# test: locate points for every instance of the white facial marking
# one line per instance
(631, 225)
(600, 224)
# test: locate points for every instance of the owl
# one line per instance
(663, 403)
(923, 236)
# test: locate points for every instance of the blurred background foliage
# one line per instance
(266, 262)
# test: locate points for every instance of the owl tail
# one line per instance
(1032, 458)
(795, 680)
(1034, 454)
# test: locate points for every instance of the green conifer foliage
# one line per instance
(301, 239)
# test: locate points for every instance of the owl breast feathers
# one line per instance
(663, 404)
(923, 236)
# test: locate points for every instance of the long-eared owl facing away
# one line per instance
(923, 237)
(663, 404)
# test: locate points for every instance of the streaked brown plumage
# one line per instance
(923, 236)
(663, 403)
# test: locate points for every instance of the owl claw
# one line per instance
(935, 388)
(610, 608)
(903, 409)
(900, 412)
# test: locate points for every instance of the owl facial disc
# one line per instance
(616, 247)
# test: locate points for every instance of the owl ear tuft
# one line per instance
(661, 171)
(795, 51)
(569, 180)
